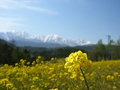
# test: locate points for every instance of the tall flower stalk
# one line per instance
(85, 79)
(74, 63)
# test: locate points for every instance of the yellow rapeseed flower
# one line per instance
(114, 88)
(75, 61)
(52, 59)
(5, 65)
(9, 86)
(28, 63)
(16, 64)
(108, 77)
(32, 87)
(39, 57)
(14, 88)
(37, 60)
(112, 77)
(35, 78)
(115, 74)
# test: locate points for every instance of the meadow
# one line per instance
(52, 75)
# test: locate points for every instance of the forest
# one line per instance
(11, 54)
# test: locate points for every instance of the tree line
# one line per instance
(111, 51)
(11, 54)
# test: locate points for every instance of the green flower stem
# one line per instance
(85, 79)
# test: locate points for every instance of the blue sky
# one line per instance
(89, 20)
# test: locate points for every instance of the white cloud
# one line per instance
(8, 4)
(7, 24)
(14, 4)
(10, 23)
(42, 10)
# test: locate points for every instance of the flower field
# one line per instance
(57, 75)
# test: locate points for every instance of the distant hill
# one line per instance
(38, 47)
(3, 41)
(34, 44)
(88, 48)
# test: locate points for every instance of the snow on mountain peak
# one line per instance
(17, 35)
(50, 38)
(13, 31)
(17, 32)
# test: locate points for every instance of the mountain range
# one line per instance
(49, 41)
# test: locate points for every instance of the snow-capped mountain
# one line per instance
(23, 36)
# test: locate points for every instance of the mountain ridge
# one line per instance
(23, 36)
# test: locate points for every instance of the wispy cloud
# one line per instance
(8, 4)
(8, 21)
(42, 10)
(7, 24)
(14, 4)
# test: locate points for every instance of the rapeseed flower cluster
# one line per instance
(75, 61)
(51, 75)
(115, 74)
(110, 77)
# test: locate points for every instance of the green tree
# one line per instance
(111, 48)
(100, 49)
(25, 54)
(118, 42)
(16, 55)
(5, 53)
(116, 50)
